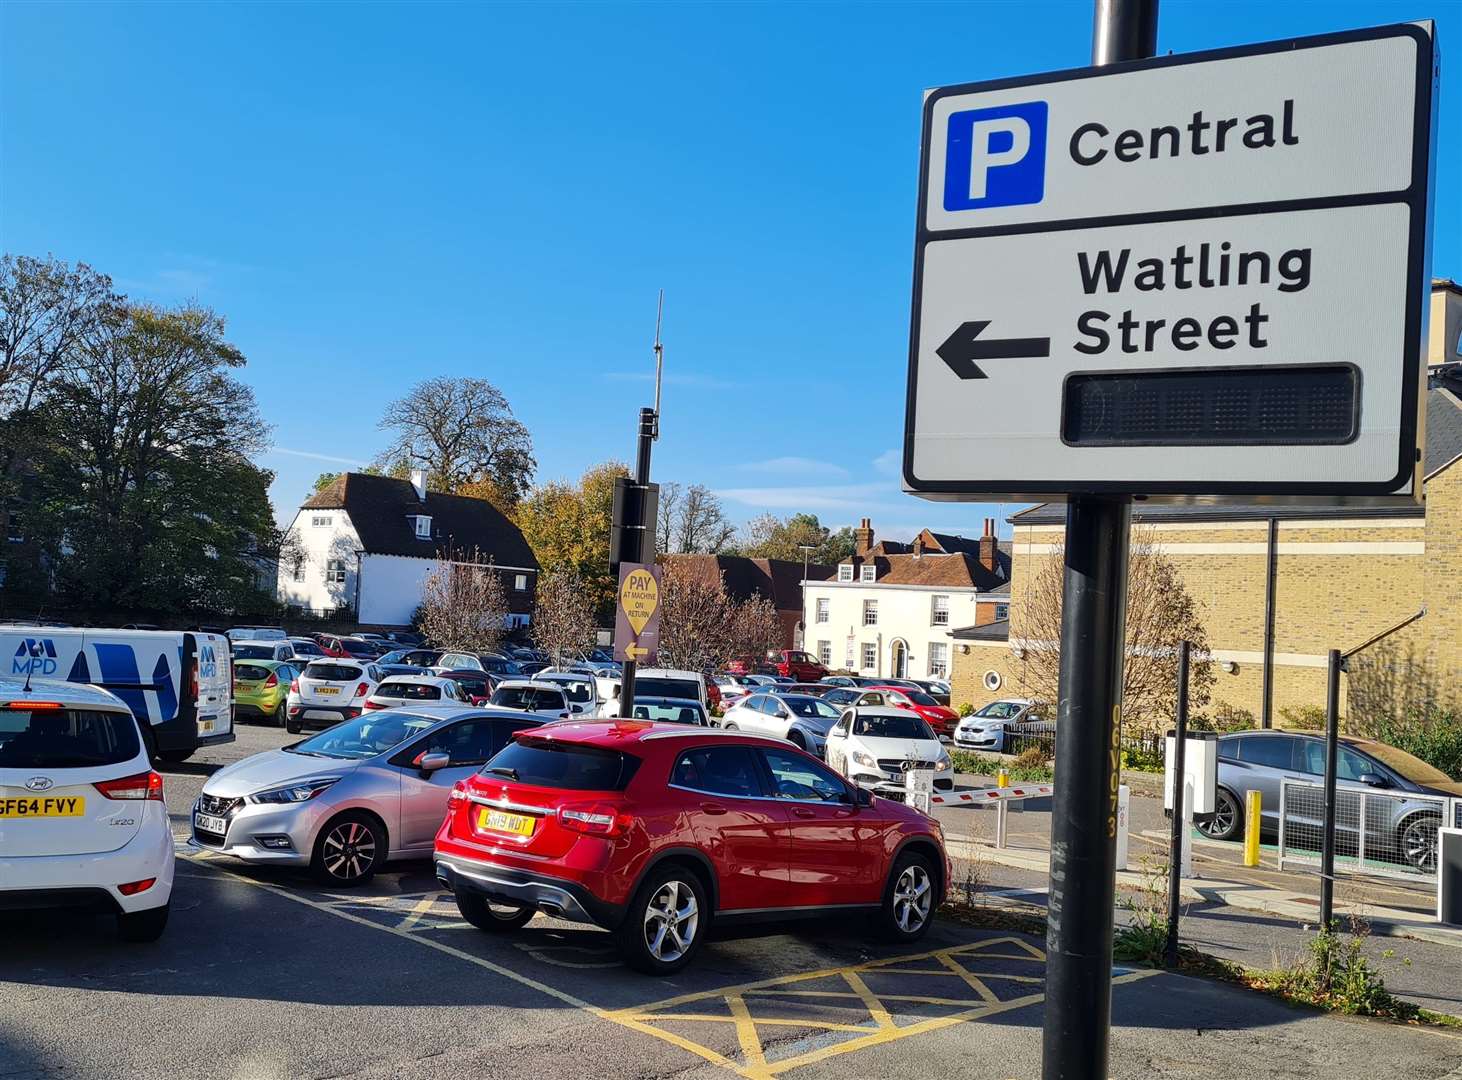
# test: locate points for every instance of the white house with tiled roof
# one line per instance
(890, 608)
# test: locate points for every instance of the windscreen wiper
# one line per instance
(504, 770)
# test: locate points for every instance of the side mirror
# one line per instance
(429, 763)
(1374, 780)
(865, 797)
(837, 733)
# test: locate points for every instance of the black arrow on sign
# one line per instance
(962, 349)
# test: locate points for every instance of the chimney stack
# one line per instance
(989, 547)
(418, 481)
(863, 538)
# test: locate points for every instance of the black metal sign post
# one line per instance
(1327, 847)
(1084, 811)
(638, 535)
(1175, 847)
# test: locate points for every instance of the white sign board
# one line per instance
(1191, 276)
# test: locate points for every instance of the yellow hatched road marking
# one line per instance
(754, 1066)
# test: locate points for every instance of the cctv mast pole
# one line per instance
(1084, 811)
(644, 551)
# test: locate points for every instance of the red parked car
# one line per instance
(941, 718)
(799, 666)
(654, 831)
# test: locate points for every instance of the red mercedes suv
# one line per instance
(653, 831)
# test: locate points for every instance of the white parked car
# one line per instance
(395, 690)
(82, 820)
(581, 688)
(801, 719)
(732, 690)
(984, 729)
(874, 747)
(666, 710)
(524, 695)
(329, 691)
(667, 683)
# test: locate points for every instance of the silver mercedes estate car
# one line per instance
(347, 799)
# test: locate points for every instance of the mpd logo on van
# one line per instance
(995, 157)
(36, 656)
(207, 663)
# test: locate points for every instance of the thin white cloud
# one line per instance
(313, 456)
(888, 462)
(853, 498)
(794, 466)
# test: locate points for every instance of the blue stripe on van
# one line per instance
(80, 669)
(119, 665)
(167, 696)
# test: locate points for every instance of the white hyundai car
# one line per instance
(329, 691)
(82, 821)
(396, 690)
(874, 747)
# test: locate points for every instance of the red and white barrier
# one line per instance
(998, 794)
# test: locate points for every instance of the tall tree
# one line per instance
(701, 627)
(460, 430)
(691, 520)
(567, 526)
(563, 615)
(463, 603)
(145, 495)
(770, 537)
(1160, 614)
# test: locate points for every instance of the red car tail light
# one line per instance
(132, 888)
(294, 686)
(458, 794)
(146, 786)
(374, 705)
(363, 689)
(272, 681)
(594, 819)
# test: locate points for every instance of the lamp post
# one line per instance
(807, 549)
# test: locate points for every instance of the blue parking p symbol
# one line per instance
(995, 157)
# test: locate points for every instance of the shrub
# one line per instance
(966, 709)
(1032, 757)
(1336, 975)
(1304, 718)
(985, 765)
(1436, 738)
(1141, 758)
(1224, 718)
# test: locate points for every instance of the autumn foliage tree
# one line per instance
(1161, 613)
(463, 603)
(567, 526)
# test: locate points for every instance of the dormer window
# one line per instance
(845, 572)
(870, 572)
(422, 524)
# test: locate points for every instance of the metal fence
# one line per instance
(1377, 833)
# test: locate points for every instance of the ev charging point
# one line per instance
(1200, 772)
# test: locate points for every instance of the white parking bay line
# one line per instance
(430, 943)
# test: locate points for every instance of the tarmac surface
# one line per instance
(262, 974)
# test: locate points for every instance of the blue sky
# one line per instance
(375, 194)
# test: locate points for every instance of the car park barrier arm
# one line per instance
(1001, 797)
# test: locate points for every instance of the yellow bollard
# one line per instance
(1002, 779)
(1253, 816)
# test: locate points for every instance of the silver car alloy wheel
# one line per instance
(1419, 844)
(912, 897)
(349, 850)
(672, 919)
(1225, 816)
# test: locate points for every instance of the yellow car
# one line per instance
(261, 690)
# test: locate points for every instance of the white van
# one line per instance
(178, 683)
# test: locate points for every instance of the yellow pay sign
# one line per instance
(639, 596)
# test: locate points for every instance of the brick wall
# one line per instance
(1338, 583)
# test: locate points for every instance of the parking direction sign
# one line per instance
(1192, 276)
